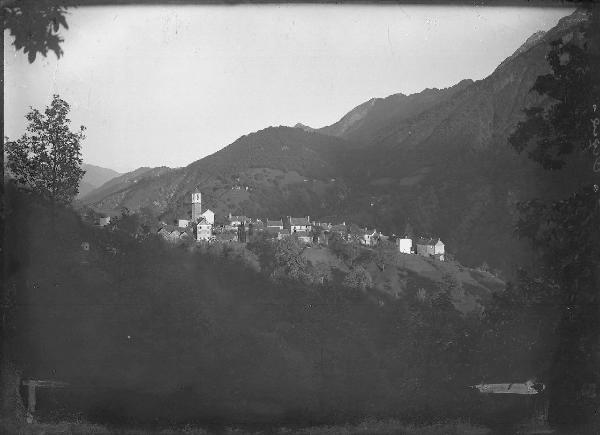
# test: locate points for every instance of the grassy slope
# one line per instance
(474, 290)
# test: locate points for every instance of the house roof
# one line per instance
(428, 241)
(208, 210)
(299, 221)
(167, 228)
(203, 221)
(271, 223)
(237, 219)
(367, 232)
(187, 230)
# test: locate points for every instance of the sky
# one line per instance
(168, 85)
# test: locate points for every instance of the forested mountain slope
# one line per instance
(438, 159)
(94, 177)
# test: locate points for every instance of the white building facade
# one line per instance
(209, 215)
(405, 246)
(203, 230)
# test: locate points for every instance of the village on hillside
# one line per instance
(203, 228)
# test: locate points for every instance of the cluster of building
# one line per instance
(202, 227)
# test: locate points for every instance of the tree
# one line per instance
(566, 232)
(347, 251)
(261, 244)
(289, 259)
(319, 273)
(385, 253)
(34, 25)
(47, 158)
(358, 278)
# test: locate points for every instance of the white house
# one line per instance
(209, 215)
(405, 245)
(431, 248)
(236, 221)
(203, 230)
(368, 237)
(299, 224)
(183, 223)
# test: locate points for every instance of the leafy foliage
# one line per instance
(565, 233)
(347, 251)
(358, 278)
(35, 25)
(47, 158)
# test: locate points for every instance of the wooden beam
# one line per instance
(32, 384)
(44, 384)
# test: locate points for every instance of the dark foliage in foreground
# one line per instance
(565, 231)
(146, 333)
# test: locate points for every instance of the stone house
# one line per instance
(430, 247)
(169, 233)
(203, 230)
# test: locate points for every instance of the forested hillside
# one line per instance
(438, 159)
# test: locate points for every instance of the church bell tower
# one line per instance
(196, 206)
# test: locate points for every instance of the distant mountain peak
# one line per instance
(304, 127)
(579, 16)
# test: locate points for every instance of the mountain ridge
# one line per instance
(438, 159)
(94, 177)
